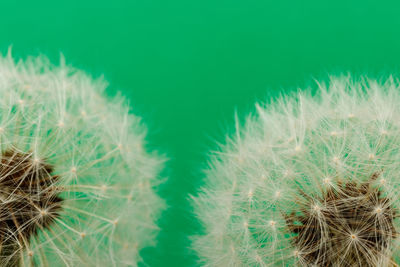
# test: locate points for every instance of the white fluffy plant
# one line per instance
(76, 184)
(309, 180)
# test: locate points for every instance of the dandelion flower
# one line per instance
(309, 180)
(76, 184)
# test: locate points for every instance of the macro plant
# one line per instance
(76, 182)
(310, 179)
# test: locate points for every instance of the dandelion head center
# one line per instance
(354, 225)
(29, 200)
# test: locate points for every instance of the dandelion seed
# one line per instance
(327, 181)
(316, 208)
(353, 237)
(341, 203)
(36, 161)
(60, 124)
(286, 173)
(47, 218)
(73, 169)
(378, 210)
(104, 188)
(258, 258)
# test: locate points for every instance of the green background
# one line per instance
(187, 65)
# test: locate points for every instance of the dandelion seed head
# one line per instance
(340, 202)
(48, 215)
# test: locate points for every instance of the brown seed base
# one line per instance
(28, 202)
(350, 225)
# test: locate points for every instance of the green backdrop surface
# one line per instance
(187, 65)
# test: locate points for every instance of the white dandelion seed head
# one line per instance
(75, 187)
(337, 206)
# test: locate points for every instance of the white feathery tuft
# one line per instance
(309, 180)
(76, 183)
